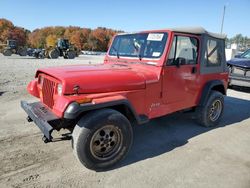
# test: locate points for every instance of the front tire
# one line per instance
(22, 51)
(210, 114)
(101, 139)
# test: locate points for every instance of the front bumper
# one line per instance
(239, 80)
(41, 116)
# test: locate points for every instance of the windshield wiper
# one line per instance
(139, 56)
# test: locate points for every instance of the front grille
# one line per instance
(48, 89)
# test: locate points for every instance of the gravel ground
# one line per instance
(167, 152)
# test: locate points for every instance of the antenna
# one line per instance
(223, 16)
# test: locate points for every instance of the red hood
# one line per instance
(101, 78)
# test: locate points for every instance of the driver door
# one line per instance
(181, 73)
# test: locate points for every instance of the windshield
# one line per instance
(141, 45)
(246, 54)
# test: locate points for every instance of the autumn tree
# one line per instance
(79, 38)
(5, 26)
(82, 38)
(51, 40)
(100, 38)
(9, 31)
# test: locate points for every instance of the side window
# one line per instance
(213, 53)
(184, 50)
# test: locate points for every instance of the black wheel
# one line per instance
(54, 54)
(209, 115)
(22, 51)
(101, 139)
(7, 52)
(71, 55)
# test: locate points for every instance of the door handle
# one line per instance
(194, 70)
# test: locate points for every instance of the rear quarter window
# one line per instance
(213, 53)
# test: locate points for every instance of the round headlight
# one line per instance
(59, 89)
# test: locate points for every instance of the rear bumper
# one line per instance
(239, 80)
(41, 116)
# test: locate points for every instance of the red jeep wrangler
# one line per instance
(145, 75)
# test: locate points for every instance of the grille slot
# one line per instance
(48, 89)
(238, 71)
(248, 73)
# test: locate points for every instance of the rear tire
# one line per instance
(71, 54)
(101, 139)
(210, 114)
(54, 54)
(7, 52)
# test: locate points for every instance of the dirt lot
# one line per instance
(167, 152)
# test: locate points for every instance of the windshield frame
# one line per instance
(140, 55)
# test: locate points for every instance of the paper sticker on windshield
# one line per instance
(155, 36)
(156, 54)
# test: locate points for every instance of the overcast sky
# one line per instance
(130, 15)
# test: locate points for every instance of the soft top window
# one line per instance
(213, 53)
(184, 49)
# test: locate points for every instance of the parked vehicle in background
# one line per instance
(38, 53)
(239, 70)
(63, 48)
(145, 75)
(30, 51)
(12, 47)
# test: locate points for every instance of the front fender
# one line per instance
(74, 110)
(32, 88)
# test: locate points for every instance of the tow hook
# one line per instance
(45, 139)
(29, 119)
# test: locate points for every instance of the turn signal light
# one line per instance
(85, 100)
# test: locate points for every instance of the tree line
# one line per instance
(83, 38)
(243, 42)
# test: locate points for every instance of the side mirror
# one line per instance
(137, 45)
(177, 63)
(237, 56)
